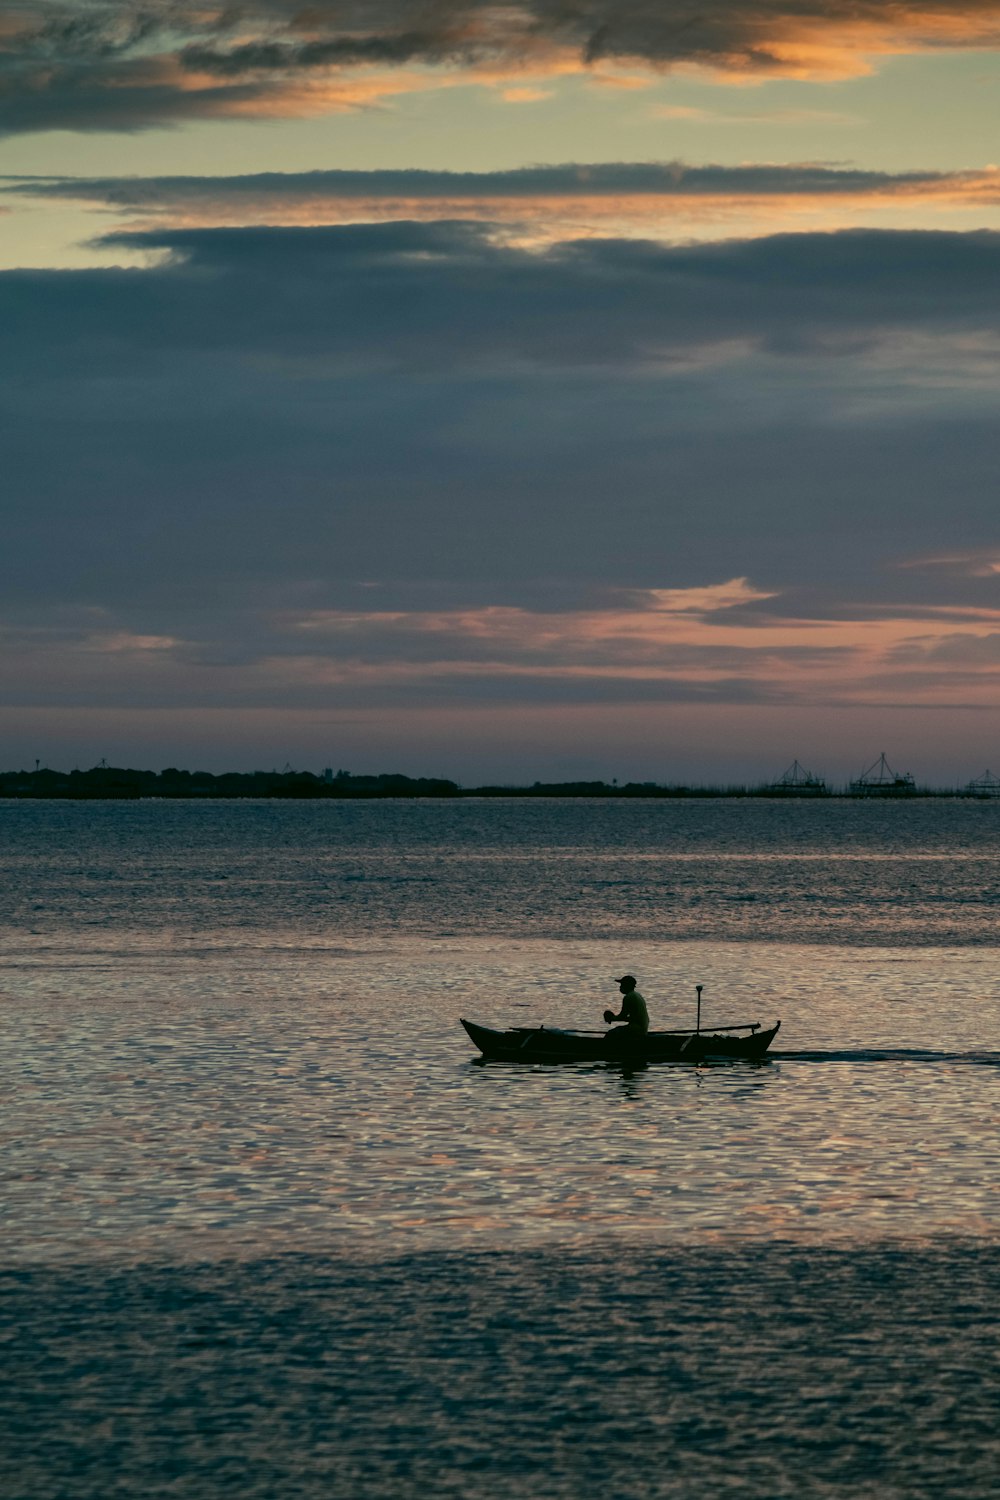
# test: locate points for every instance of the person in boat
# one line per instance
(633, 1013)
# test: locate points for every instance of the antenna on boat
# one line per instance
(697, 1026)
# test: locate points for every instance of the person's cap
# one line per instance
(626, 979)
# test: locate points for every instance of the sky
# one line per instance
(546, 390)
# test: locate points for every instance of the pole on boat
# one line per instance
(697, 1025)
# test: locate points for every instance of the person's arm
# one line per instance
(630, 1012)
(610, 1015)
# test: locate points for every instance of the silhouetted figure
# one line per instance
(633, 1013)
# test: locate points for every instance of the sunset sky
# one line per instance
(565, 388)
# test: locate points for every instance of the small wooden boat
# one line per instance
(547, 1044)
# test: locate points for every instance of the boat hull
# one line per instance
(541, 1044)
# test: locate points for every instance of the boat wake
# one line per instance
(886, 1055)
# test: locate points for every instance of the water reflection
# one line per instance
(222, 1104)
(232, 1209)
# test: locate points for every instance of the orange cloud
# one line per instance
(119, 66)
(524, 95)
(703, 637)
(541, 206)
(720, 644)
(979, 564)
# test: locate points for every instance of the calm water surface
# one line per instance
(270, 1229)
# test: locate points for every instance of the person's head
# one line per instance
(626, 983)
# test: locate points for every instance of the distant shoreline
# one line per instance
(111, 783)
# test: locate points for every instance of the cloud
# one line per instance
(121, 64)
(524, 94)
(958, 564)
(269, 192)
(541, 206)
(733, 594)
(654, 650)
(404, 401)
(545, 204)
(610, 655)
(605, 472)
(433, 296)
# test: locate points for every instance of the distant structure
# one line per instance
(880, 780)
(797, 782)
(986, 785)
(328, 774)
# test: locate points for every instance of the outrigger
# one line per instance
(550, 1044)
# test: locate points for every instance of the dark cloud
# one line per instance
(126, 63)
(603, 179)
(433, 296)
(408, 426)
(342, 51)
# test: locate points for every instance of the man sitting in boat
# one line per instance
(633, 1013)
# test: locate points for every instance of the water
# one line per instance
(269, 1229)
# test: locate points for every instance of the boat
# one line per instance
(797, 782)
(551, 1044)
(986, 785)
(880, 780)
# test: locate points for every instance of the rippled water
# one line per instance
(254, 1180)
(924, 872)
(244, 1102)
(765, 1372)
